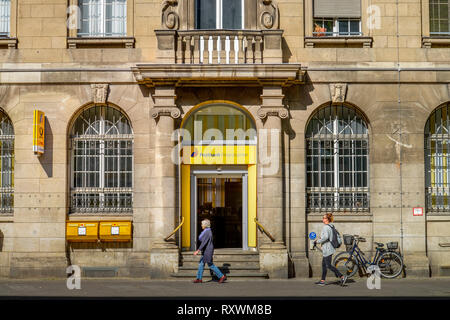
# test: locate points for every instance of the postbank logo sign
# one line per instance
(219, 154)
(38, 131)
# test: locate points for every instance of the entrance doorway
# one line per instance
(220, 197)
(220, 201)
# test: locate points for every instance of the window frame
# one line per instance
(7, 190)
(103, 21)
(127, 41)
(437, 140)
(101, 190)
(317, 190)
(219, 15)
(10, 40)
(439, 33)
(336, 25)
(248, 121)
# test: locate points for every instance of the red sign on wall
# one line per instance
(417, 211)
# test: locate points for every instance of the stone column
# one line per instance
(273, 254)
(163, 254)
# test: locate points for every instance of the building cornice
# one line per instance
(198, 75)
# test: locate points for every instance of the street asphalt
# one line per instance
(145, 288)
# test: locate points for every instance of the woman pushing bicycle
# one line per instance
(328, 250)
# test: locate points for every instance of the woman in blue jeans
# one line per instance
(328, 250)
(207, 250)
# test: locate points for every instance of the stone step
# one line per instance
(224, 256)
(236, 264)
(221, 259)
(222, 267)
(235, 275)
(229, 264)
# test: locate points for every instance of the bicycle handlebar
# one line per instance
(358, 238)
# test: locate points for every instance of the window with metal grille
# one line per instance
(437, 160)
(103, 18)
(102, 162)
(7, 164)
(337, 160)
(5, 14)
(439, 17)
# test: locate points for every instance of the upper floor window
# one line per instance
(439, 17)
(103, 18)
(219, 14)
(5, 16)
(337, 18)
(337, 160)
(101, 162)
(437, 160)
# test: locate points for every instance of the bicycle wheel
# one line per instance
(390, 264)
(346, 264)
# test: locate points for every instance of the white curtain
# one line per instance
(118, 17)
(5, 8)
(104, 18)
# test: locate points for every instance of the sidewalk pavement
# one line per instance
(145, 288)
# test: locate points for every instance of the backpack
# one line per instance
(336, 240)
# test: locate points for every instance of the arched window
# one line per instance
(337, 160)
(437, 160)
(102, 162)
(6, 164)
(221, 122)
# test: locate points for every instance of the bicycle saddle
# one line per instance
(379, 244)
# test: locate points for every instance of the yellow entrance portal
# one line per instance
(202, 155)
(219, 145)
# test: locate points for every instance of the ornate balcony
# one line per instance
(219, 46)
(182, 41)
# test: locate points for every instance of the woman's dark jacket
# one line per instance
(206, 246)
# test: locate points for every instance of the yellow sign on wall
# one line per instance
(38, 131)
(219, 154)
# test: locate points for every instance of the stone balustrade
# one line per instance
(219, 46)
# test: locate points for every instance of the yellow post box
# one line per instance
(115, 231)
(85, 231)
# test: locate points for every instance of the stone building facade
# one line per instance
(291, 67)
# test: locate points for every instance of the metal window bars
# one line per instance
(337, 160)
(102, 162)
(437, 160)
(6, 165)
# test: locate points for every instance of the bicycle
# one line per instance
(389, 262)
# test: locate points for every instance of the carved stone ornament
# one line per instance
(169, 16)
(99, 93)
(338, 92)
(281, 112)
(268, 14)
(171, 112)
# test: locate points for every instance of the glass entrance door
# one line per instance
(220, 201)
(223, 200)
